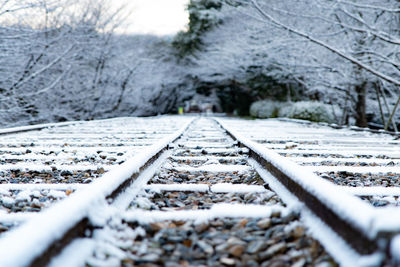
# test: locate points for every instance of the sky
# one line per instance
(159, 17)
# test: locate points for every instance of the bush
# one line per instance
(265, 109)
(305, 110)
(308, 110)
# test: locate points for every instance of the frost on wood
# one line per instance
(199, 216)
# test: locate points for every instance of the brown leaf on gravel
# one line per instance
(236, 250)
(243, 222)
(184, 263)
(157, 226)
(179, 223)
(187, 243)
(171, 225)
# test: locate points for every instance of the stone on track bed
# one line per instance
(279, 239)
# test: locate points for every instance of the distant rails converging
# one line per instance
(198, 191)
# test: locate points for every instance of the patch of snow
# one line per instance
(237, 188)
(40, 186)
(4, 191)
(344, 160)
(213, 150)
(178, 187)
(56, 194)
(395, 248)
(74, 254)
(143, 203)
(124, 199)
(291, 201)
(335, 148)
(53, 222)
(17, 217)
(220, 210)
(358, 212)
(35, 193)
(334, 244)
(23, 196)
(213, 168)
(354, 169)
(204, 158)
(344, 153)
(37, 127)
(7, 201)
(46, 168)
(215, 188)
(372, 190)
(387, 219)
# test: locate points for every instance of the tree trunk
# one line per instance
(361, 118)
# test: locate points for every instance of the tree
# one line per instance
(364, 25)
(338, 52)
(54, 56)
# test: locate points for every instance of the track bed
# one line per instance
(198, 191)
(207, 207)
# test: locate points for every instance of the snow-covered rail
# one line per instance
(179, 190)
(206, 206)
(45, 234)
(204, 190)
(330, 157)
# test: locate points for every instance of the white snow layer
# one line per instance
(74, 254)
(17, 217)
(358, 212)
(17, 250)
(178, 187)
(220, 210)
(335, 245)
(372, 190)
(216, 188)
(124, 199)
(42, 168)
(213, 168)
(37, 127)
(395, 248)
(353, 169)
(42, 186)
(237, 188)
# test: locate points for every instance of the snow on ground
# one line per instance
(354, 169)
(40, 186)
(372, 190)
(213, 168)
(215, 188)
(359, 213)
(80, 249)
(54, 221)
(359, 155)
(219, 210)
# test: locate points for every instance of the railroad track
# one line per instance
(198, 191)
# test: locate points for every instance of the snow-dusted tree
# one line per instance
(359, 39)
(231, 60)
(342, 52)
(53, 56)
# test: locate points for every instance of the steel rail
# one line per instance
(354, 231)
(22, 129)
(70, 218)
(36, 127)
